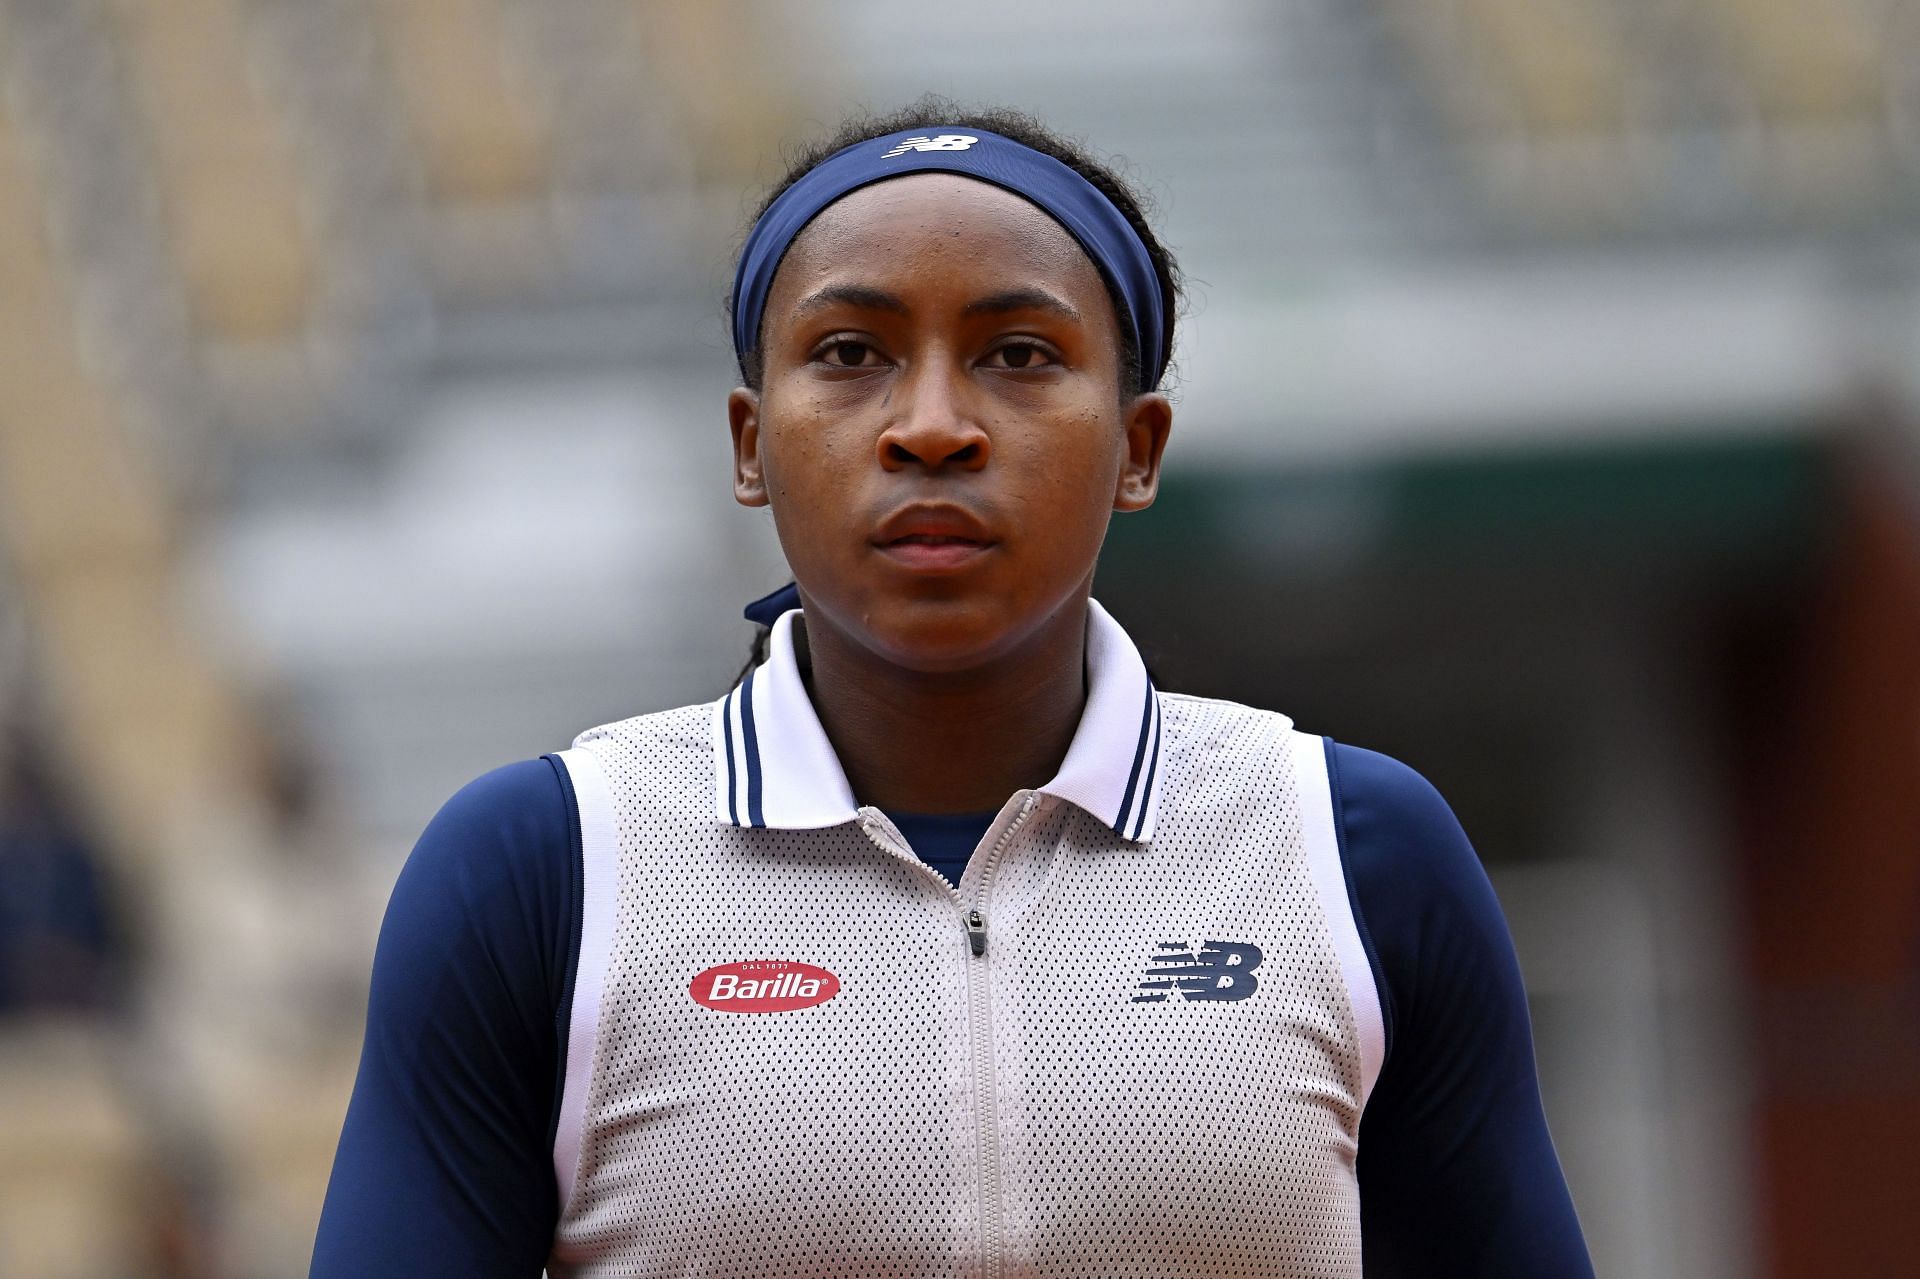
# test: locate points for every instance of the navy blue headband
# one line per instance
(1070, 199)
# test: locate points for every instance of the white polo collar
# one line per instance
(773, 765)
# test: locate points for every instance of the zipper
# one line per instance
(979, 1020)
(975, 918)
(980, 1008)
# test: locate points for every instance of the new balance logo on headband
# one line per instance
(945, 142)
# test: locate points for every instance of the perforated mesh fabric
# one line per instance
(1042, 1108)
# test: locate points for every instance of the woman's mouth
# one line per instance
(933, 552)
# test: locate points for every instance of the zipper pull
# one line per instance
(977, 931)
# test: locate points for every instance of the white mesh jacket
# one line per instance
(1136, 1040)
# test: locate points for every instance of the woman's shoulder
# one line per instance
(1394, 822)
(1380, 784)
(1190, 713)
(516, 827)
(660, 763)
(505, 834)
(674, 731)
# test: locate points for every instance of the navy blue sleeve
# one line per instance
(1457, 1172)
(445, 1165)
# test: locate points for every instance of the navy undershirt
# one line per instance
(445, 1160)
(944, 841)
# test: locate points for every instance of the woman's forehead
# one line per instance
(936, 221)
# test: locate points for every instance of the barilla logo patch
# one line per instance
(763, 986)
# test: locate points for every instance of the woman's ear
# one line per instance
(1149, 419)
(743, 416)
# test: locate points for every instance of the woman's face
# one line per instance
(940, 428)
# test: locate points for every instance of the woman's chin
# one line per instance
(945, 632)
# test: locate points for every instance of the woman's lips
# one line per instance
(929, 553)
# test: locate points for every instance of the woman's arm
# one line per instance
(445, 1164)
(1458, 1175)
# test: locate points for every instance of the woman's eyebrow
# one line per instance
(1022, 300)
(857, 295)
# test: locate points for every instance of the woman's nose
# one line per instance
(935, 423)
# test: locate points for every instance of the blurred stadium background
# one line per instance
(1545, 418)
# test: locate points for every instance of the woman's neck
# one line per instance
(954, 742)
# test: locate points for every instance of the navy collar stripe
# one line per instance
(755, 817)
(733, 780)
(1139, 753)
(1153, 763)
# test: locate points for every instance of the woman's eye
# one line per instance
(849, 354)
(1021, 355)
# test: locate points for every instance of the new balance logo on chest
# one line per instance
(1219, 970)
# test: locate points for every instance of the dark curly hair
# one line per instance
(933, 111)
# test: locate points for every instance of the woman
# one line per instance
(945, 943)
